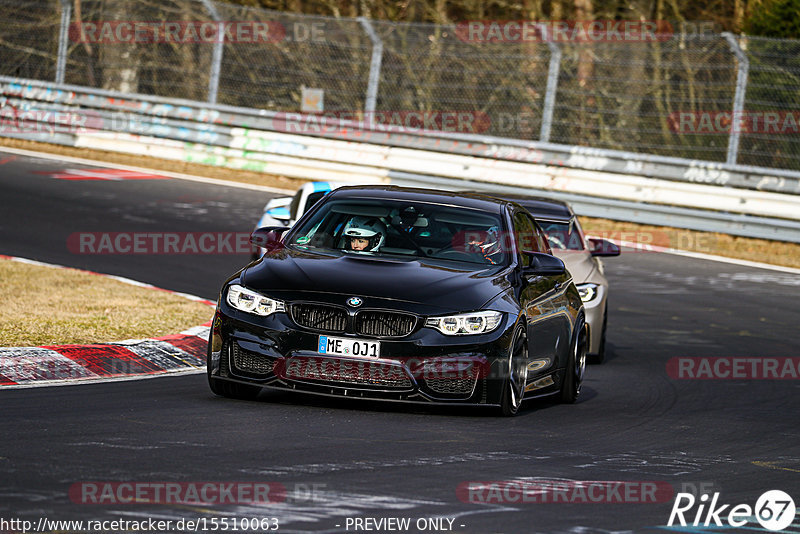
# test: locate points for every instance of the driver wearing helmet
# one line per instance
(364, 234)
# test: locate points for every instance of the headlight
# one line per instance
(466, 323)
(588, 292)
(251, 302)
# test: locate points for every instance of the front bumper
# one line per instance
(595, 311)
(425, 366)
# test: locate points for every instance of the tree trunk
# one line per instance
(118, 61)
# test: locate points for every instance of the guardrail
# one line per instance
(748, 201)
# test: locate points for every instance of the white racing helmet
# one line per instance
(368, 228)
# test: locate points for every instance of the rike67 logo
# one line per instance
(774, 510)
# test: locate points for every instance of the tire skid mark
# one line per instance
(371, 465)
(773, 464)
(642, 462)
(324, 505)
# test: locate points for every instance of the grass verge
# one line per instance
(743, 248)
(48, 306)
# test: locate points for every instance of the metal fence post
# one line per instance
(738, 98)
(374, 68)
(63, 40)
(552, 87)
(216, 56)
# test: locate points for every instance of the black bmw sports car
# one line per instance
(408, 295)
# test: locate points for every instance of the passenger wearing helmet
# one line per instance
(364, 234)
(488, 245)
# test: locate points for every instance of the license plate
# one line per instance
(340, 346)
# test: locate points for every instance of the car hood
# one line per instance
(414, 285)
(579, 263)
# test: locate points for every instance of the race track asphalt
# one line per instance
(341, 460)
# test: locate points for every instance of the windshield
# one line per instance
(562, 235)
(409, 229)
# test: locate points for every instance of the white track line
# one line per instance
(178, 175)
(710, 257)
(214, 181)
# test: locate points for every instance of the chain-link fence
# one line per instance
(706, 97)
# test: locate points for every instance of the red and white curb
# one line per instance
(122, 360)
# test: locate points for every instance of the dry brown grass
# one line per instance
(47, 306)
(744, 248)
(759, 250)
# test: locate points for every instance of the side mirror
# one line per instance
(602, 247)
(278, 209)
(280, 214)
(268, 237)
(544, 264)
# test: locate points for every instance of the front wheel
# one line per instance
(517, 370)
(576, 367)
(232, 390)
(223, 388)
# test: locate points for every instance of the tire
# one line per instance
(517, 374)
(576, 366)
(216, 386)
(233, 390)
(223, 388)
(601, 352)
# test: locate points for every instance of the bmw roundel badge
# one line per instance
(355, 302)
